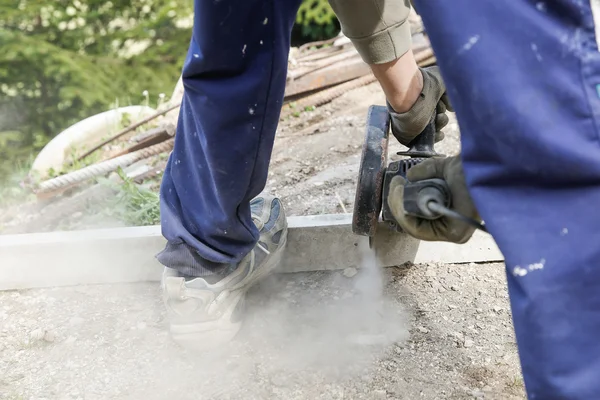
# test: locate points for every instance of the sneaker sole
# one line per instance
(209, 334)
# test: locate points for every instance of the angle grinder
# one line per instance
(428, 199)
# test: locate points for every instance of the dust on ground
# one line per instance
(437, 332)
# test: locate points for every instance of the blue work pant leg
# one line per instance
(234, 79)
(524, 78)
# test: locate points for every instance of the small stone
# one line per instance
(379, 394)
(468, 343)
(49, 337)
(431, 272)
(350, 272)
(423, 329)
(36, 334)
(457, 335)
(454, 288)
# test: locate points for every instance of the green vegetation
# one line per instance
(133, 204)
(316, 20)
(65, 60)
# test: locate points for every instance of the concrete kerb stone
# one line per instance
(125, 255)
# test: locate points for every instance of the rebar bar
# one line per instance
(327, 95)
(63, 182)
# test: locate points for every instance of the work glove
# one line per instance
(433, 98)
(442, 229)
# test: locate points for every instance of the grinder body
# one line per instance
(375, 176)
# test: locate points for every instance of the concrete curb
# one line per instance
(321, 242)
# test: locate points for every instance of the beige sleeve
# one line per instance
(379, 29)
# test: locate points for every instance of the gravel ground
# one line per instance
(422, 331)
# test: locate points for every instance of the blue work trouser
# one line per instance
(234, 78)
(524, 78)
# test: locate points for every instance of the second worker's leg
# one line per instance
(524, 77)
(221, 237)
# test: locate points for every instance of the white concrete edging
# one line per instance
(322, 242)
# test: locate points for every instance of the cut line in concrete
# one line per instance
(122, 255)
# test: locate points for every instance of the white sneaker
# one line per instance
(203, 315)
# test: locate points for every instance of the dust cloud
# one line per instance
(303, 334)
(307, 329)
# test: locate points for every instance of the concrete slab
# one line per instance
(322, 242)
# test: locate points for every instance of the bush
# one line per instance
(316, 21)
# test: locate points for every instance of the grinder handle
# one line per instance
(422, 145)
(418, 196)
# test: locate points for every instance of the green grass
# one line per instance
(135, 205)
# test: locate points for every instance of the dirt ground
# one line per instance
(436, 332)
(414, 332)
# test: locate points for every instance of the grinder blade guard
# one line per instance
(373, 163)
(374, 176)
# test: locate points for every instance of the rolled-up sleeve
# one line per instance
(379, 29)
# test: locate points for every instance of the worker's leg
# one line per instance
(234, 80)
(524, 78)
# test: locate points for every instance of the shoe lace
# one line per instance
(263, 248)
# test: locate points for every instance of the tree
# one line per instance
(65, 60)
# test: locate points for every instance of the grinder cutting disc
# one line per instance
(367, 204)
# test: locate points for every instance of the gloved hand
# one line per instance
(407, 126)
(442, 229)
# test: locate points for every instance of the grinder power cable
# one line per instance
(428, 199)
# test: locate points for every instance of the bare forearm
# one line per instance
(380, 31)
(401, 81)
